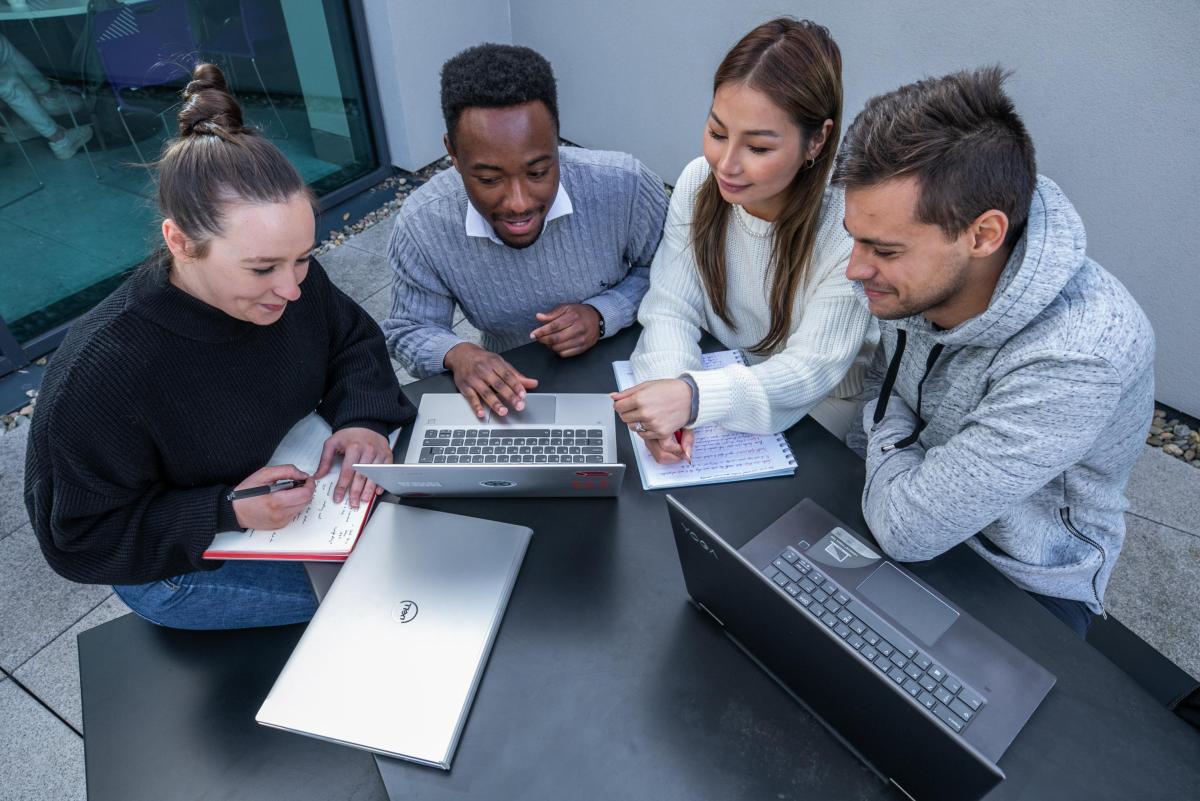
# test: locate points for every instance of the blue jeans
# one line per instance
(1074, 613)
(237, 595)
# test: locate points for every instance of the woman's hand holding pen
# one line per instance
(276, 509)
(658, 411)
(356, 446)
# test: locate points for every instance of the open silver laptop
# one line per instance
(560, 445)
(391, 660)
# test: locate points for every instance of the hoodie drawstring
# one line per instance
(889, 381)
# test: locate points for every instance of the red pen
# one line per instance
(679, 439)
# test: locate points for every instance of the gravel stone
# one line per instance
(1172, 449)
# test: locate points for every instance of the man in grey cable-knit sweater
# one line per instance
(532, 241)
(1014, 381)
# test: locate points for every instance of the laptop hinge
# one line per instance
(720, 622)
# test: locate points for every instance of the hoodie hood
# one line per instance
(1052, 249)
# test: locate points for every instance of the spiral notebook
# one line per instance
(719, 455)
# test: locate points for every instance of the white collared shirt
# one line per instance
(476, 225)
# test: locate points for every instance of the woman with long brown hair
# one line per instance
(754, 252)
(178, 386)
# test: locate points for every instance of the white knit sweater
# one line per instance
(832, 337)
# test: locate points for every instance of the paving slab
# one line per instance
(36, 604)
(1165, 490)
(374, 239)
(468, 332)
(52, 674)
(379, 305)
(40, 757)
(1155, 590)
(12, 479)
(356, 272)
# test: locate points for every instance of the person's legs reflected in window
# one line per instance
(30, 96)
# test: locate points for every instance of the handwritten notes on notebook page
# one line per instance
(323, 531)
(719, 455)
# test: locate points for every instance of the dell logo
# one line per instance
(496, 483)
(405, 612)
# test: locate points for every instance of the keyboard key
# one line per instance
(527, 458)
(452, 459)
(971, 698)
(489, 459)
(869, 651)
(832, 607)
(937, 672)
(439, 442)
(807, 585)
(538, 449)
(439, 459)
(552, 458)
(857, 625)
(842, 630)
(871, 637)
(911, 687)
(539, 458)
(898, 659)
(962, 710)
(790, 555)
(804, 598)
(882, 663)
(430, 433)
(829, 587)
(942, 695)
(444, 433)
(590, 449)
(595, 460)
(923, 661)
(457, 442)
(884, 646)
(593, 442)
(845, 617)
(803, 565)
(791, 589)
(913, 671)
(841, 597)
(897, 675)
(818, 577)
(927, 700)
(503, 458)
(856, 642)
(820, 596)
(948, 717)
(952, 684)
(427, 455)
(886, 630)
(829, 620)
(595, 432)
(928, 683)
(474, 432)
(780, 579)
(787, 569)
(458, 432)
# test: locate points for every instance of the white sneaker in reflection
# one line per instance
(74, 139)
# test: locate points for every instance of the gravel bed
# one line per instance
(1175, 434)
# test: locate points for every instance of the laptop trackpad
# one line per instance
(539, 409)
(912, 606)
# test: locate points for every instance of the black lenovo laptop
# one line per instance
(922, 692)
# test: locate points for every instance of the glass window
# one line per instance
(88, 93)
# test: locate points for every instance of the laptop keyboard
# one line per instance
(876, 641)
(507, 445)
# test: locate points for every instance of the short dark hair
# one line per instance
(960, 136)
(495, 76)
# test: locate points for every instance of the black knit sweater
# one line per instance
(157, 403)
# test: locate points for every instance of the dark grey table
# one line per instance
(604, 682)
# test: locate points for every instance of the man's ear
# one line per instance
(988, 232)
(450, 149)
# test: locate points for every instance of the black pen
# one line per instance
(254, 492)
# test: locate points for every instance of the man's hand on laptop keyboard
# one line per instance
(484, 378)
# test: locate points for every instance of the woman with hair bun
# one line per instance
(754, 252)
(177, 388)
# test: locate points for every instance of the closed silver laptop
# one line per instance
(392, 658)
(560, 445)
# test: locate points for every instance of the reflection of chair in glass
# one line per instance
(256, 23)
(143, 46)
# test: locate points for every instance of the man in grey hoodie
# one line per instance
(1013, 386)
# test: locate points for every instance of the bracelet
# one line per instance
(695, 409)
(601, 316)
